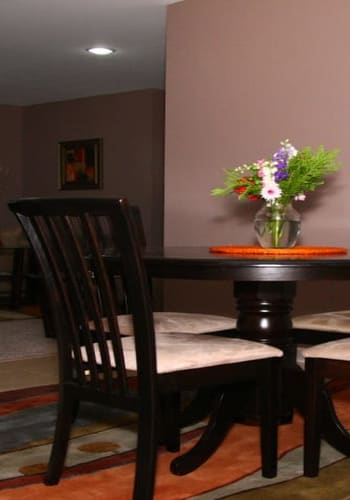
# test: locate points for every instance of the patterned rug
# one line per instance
(100, 462)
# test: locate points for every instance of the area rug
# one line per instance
(333, 483)
(100, 462)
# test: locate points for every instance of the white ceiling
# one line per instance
(43, 42)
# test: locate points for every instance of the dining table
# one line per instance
(264, 284)
(264, 289)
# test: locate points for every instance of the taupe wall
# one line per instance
(10, 159)
(132, 128)
(242, 75)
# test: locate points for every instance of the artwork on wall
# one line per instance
(81, 164)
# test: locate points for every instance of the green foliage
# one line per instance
(232, 178)
(307, 171)
(299, 172)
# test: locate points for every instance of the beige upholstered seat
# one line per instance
(175, 322)
(179, 351)
(337, 349)
(166, 322)
(333, 321)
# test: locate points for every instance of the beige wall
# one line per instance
(242, 75)
(10, 159)
(132, 128)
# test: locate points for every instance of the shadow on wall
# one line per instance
(321, 296)
(216, 297)
(199, 296)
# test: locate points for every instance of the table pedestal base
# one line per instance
(264, 309)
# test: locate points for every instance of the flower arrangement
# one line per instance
(288, 176)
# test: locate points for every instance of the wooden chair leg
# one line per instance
(146, 456)
(332, 430)
(313, 418)
(170, 421)
(17, 277)
(67, 408)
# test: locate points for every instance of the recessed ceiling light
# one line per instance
(101, 51)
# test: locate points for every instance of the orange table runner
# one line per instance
(298, 250)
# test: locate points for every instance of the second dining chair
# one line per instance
(169, 321)
(132, 373)
(321, 327)
(322, 364)
(192, 323)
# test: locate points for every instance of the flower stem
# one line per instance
(277, 224)
(277, 232)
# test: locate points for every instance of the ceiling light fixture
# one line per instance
(101, 51)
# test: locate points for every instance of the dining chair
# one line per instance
(321, 327)
(312, 330)
(132, 373)
(322, 364)
(196, 406)
(169, 321)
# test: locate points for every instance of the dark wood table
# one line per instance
(264, 287)
(264, 290)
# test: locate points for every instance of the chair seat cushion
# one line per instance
(177, 351)
(165, 322)
(333, 321)
(337, 349)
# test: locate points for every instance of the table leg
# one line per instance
(218, 426)
(264, 311)
(264, 315)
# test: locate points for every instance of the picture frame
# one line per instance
(81, 164)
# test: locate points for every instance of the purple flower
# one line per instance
(281, 159)
(281, 174)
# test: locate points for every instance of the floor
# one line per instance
(28, 373)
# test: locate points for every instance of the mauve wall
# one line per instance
(242, 75)
(10, 160)
(131, 126)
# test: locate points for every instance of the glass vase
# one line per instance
(277, 226)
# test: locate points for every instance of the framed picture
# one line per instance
(81, 164)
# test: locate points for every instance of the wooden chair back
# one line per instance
(69, 238)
